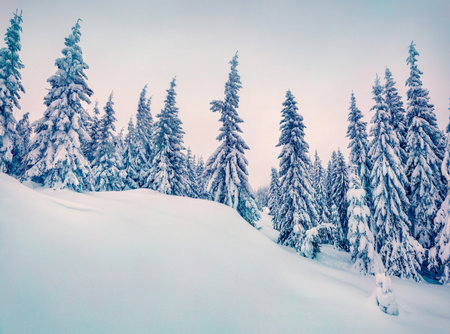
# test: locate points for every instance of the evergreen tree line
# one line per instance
(70, 147)
(391, 200)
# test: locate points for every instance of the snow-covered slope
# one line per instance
(142, 262)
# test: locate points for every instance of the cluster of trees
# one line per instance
(391, 200)
(69, 147)
(389, 205)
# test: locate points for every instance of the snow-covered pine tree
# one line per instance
(398, 250)
(339, 190)
(439, 255)
(23, 130)
(424, 150)
(275, 198)
(298, 208)
(168, 172)
(360, 236)
(131, 180)
(227, 167)
(337, 235)
(396, 113)
(201, 179)
(10, 90)
(144, 133)
(329, 180)
(107, 163)
(90, 147)
(359, 146)
(318, 183)
(192, 186)
(55, 159)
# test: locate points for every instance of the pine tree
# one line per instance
(91, 146)
(23, 130)
(144, 133)
(275, 199)
(227, 167)
(439, 255)
(337, 233)
(10, 90)
(131, 170)
(396, 113)
(318, 183)
(360, 236)
(359, 146)
(192, 186)
(339, 190)
(398, 250)
(424, 143)
(201, 179)
(168, 171)
(298, 209)
(329, 180)
(55, 159)
(107, 163)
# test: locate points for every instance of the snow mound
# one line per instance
(142, 262)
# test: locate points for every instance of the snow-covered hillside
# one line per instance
(141, 262)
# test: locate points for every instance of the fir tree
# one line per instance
(169, 162)
(192, 186)
(94, 129)
(227, 167)
(396, 113)
(131, 169)
(439, 255)
(10, 90)
(318, 183)
(144, 145)
(359, 146)
(107, 162)
(360, 236)
(23, 130)
(298, 209)
(275, 199)
(339, 190)
(399, 252)
(201, 179)
(337, 234)
(424, 143)
(55, 158)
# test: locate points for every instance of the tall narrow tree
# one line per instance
(398, 250)
(298, 209)
(396, 113)
(10, 90)
(144, 141)
(131, 169)
(359, 146)
(318, 183)
(55, 158)
(107, 163)
(275, 199)
(227, 167)
(24, 130)
(424, 149)
(168, 171)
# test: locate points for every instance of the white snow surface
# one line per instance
(141, 262)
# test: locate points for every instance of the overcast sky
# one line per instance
(321, 50)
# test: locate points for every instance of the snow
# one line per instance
(142, 262)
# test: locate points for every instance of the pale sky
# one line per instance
(321, 50)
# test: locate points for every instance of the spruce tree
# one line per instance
(23, 130)
(144, 142)
(318, 183)
(56, 159)
(91, 146)
(359, 146)
(339, 190)
(131, 169)
(168, 173)
(201, 179)
(192, 186)
(398, 250)
(107, 163)
(424, 150)
(360, 236)
(10, 90)
(337, 235)
(275, 199)
(227, 167)
(396, 113)
(298, 209)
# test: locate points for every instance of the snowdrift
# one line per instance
(142, 262)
